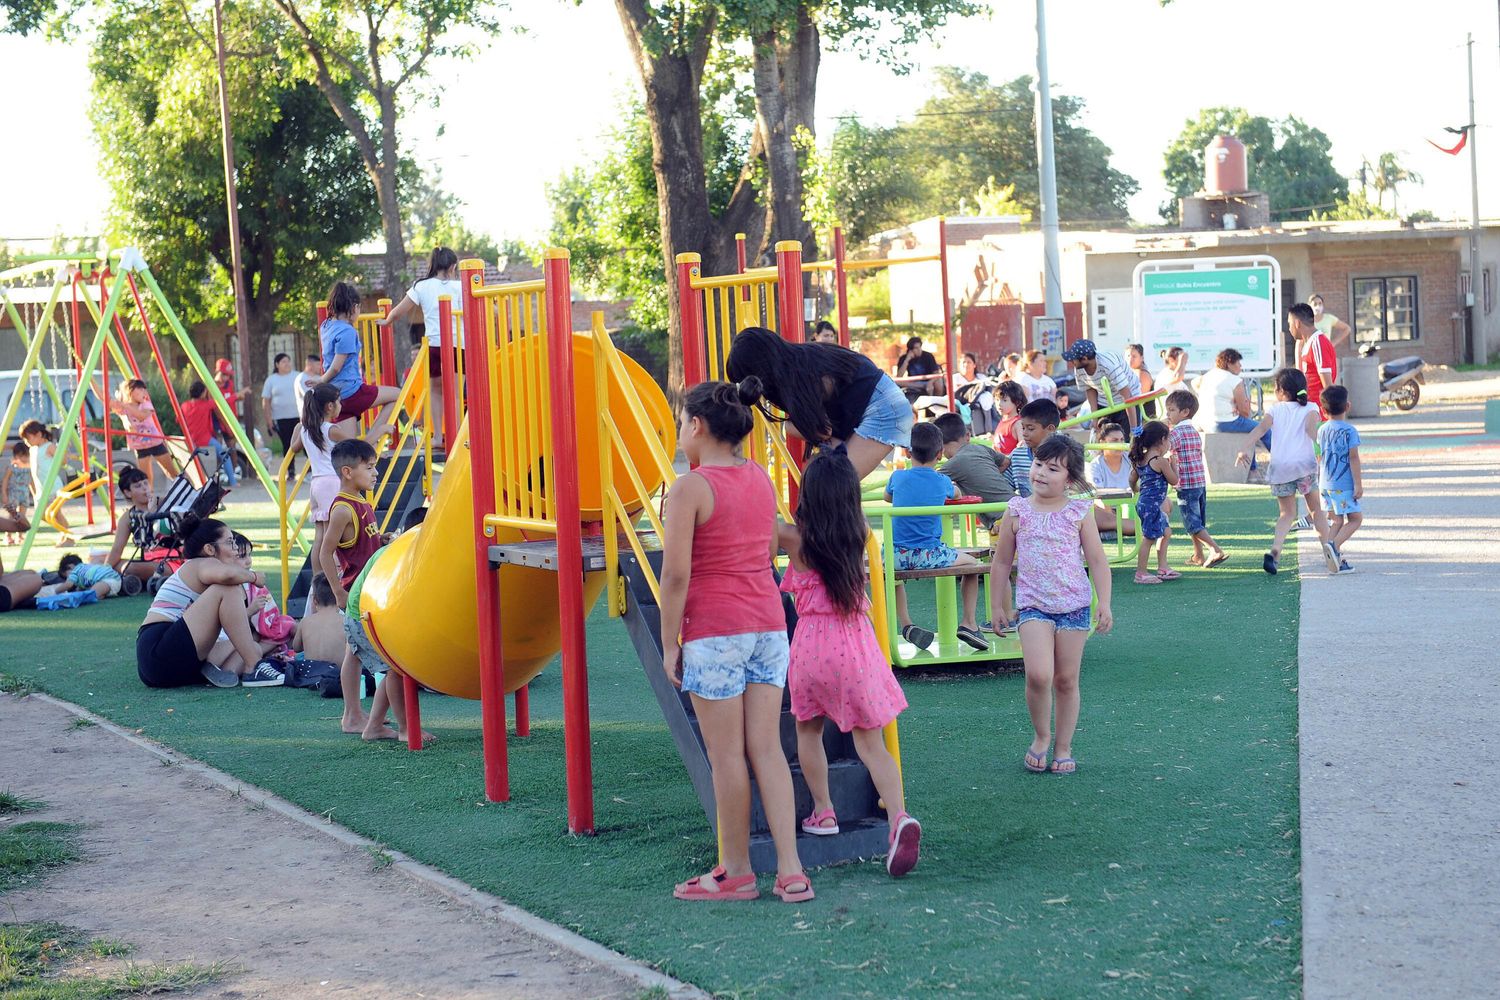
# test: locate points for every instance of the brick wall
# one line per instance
(1439, 337)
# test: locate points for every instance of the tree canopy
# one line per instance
(303, 195)
(1289, 160)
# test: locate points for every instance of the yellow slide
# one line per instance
(418, 601)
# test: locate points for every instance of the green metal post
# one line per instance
(26, 338)
(70, 423)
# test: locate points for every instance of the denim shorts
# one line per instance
(360, 645)
(888, 416)
(1066, 621)
(1192, 503)
(1153, 523)
(720, 666)
(1340, 502)
(940, 556)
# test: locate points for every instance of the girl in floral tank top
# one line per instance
(1051, 536)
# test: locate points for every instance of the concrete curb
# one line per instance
(460, 892)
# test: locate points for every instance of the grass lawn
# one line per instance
(1167, 865)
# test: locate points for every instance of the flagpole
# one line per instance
(1476, 277)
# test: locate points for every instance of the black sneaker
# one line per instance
(972, 637)
(220, 678)
(918, 636)
(1270, 564)
(263, 676)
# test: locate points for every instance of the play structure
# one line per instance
(109, 289)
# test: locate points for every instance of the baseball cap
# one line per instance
(1081, 349)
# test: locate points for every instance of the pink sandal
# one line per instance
(905, 848)
(726, 888)
(784, 884)
(1168, 574)
(1147, 578)
(813, 824)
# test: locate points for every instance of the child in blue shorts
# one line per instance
(919, 539)
(1339, 479)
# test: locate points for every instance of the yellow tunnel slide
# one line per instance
(418, 600)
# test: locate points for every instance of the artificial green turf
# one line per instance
(1167, 865)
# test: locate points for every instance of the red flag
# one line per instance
(1463, 139)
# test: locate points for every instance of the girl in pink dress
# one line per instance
(1053, 534)
(837, 670)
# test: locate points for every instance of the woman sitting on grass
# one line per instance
(206, 594)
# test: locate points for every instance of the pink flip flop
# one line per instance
(1168, 574)
(906, 846)
(813, 824)
(726, 888)
(1147, 579)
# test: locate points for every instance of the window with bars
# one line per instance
(1385, 309)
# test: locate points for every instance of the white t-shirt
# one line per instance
(1037, 388)
(1216, 397)
(1166, 379)
(424, 294)
(299, 388)
(281, 390)
(321, 459)
(1291, 449)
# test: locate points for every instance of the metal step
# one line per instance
(542, 554)
(862, 823)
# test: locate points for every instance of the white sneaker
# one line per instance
(1302, 524)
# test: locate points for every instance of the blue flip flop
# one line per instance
(1036, 763)
(1064, 760)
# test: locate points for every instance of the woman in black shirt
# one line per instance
(830, 395)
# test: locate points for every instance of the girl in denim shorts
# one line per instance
(1052, 535)
(724, 634)
(829, 394)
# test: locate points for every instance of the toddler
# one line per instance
(838, 671)
(79, 575)
(1151, 472)
(1009, 398)
(1051, 535)
(1293, 468)
(1339, 479)
(1192, 477)
(320, 634)
(919, 539)
(15, 489)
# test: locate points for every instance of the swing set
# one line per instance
(112, 290)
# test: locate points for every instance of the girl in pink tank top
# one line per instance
(724, 634)
(1053, 535)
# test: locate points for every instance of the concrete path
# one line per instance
(1399, 704)
(185, 870)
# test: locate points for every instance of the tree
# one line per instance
(303, 196)
(671, 43)
(432, 217)
(1390, 174)
(1354, 207)
(366, 56)
(1289, 161)
(992, 199)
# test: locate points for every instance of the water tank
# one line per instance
(1225, 166)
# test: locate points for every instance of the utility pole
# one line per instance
(1047, 167)
(1475, 349)
(232, 197)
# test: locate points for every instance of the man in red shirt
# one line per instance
(1315, 354)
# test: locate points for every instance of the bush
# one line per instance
(870, 295)
(648, 348)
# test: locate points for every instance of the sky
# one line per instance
(1375, 78)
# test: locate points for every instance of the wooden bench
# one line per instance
(932, 574)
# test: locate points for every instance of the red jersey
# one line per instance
(1005, 435)
(733, 590)
(354, 553)
(198, 421)
(1317, 353)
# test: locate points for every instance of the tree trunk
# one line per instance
(387, 187)
(786, 77)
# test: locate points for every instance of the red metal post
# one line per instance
(740, 262)
(486, 580)
(83, 414)
(949, 347)
(322, 310)
(789, 318)
(523, 710)
(449, 370)
(841, 284)
(575, 664)
(388, 348)
(161, 366)
(694, 349)
(413, 720)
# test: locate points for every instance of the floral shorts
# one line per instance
(1300, 487)
(940, 556)
(1064, 621)
(719, 666)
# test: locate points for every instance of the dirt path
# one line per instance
(184, 871)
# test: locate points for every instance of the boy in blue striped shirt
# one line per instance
(1039, 420)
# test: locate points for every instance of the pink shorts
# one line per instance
(324, 489)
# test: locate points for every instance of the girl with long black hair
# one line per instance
(830, 395)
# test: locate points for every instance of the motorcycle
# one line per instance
(1401, 380)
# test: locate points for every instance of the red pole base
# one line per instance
(413, 719)
(523, 711)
